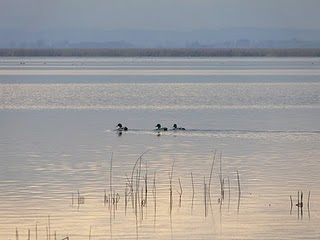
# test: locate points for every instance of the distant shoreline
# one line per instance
(161, 52)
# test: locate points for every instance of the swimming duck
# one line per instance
(159, 128)
(121, 128)
(175, 127)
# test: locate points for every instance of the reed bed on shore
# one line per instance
(137, 199)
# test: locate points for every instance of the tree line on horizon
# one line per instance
(161, 52)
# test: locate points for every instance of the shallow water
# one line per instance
(58, 118)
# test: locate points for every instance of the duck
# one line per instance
(175, 127)
(121, 128)
(159, 128)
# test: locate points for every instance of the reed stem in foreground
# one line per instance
(239, 191)
(180, 193)
(192, 192)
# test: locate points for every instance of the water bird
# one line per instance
(159, 128)
(175, 127)
(121, 128)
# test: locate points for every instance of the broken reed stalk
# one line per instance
(192, 192)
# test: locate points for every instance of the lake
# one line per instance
(251, 145)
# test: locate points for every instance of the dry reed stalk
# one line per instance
(129, 191)
(138, 186)
(114, 204)
(105, 200)
(49, 226)
(138, 182)
(125, 199)
(308, 204)
(90, 233)
(142, 204)
(136, 175)
(239, 192)
(110, 182)
(301, 203)
(180, 193)
(298, 205)
(28, 234)
(229, 193)
(36, 230)
(154, 192)
(170, 193)
(17, 234)
(211, 173)
(205, 196)
(221, 179)
(170, 188)
(146, 186)
(192, 192)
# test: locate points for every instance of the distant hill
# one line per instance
(219, 38)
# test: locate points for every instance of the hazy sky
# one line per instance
(158, 14)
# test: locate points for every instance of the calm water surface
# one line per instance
(257, 116)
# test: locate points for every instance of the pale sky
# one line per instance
(182, 15)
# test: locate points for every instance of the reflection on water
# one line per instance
(159, 96)
(246, 167)
(164, 193)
